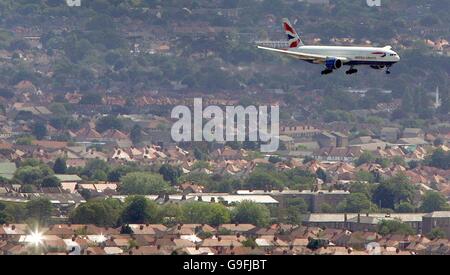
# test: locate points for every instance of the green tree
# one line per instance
(142, 183)
(386, 227)
(356, 203)
(251, 212)
(100, 212)
(262, 180)
(136, 134)
(140, 210)
(405, 207)
(60, 166)
(50, 181)
(434, 201)
(91, 99)
(95, 165)
(108, 122)
(393, 191)
(296, 207)
(207, 213)
(366, 157)
(249, 242)
(365, 176)
(436, 233)
(39, 210)
(39, 130)
(170, 173)
(440, 159)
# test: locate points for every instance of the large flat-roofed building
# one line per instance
(422, 223)
(315, 199)
(437, 220)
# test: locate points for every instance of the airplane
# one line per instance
(335, 57)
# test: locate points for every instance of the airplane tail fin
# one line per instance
(293, 37)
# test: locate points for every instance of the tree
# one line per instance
(262, 180)
(142, 183)
(136, 134)
(405, 207)
(321, 174)
(275, 159)
(208, 213)
(32, 173)
(4, 217)
(249, 242)
(108, 122)
(100, 212)
(50, 181)
(60, 166)
(95, 165)
(39, 210)
(170, 173)
(434, 201)
(91, 99)
(326, 208)
(386, 227)
(436, 233)
(251, 212)
(440, 159)
(366, 157)
(393, 191)
(39, 130)
(140, 210)
(356, 203)
(295, 208)
(365, 176)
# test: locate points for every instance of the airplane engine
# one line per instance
(333, 63)
(377, 67)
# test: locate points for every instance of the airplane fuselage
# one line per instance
(355, 55)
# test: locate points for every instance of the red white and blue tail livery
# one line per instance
(293, 37)
(335, 57)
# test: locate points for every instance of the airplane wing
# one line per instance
(314, 58)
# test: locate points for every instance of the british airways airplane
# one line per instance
(334, 57)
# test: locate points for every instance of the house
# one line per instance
(236, 228)
(341, 139)
(326, 140)
(413, 133)
(390, 134)
(68, 182)
(435, 220)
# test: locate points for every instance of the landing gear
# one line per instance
(351, 71)
(327, 71)
(388, 70)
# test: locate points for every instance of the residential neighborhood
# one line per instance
(89, 164)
